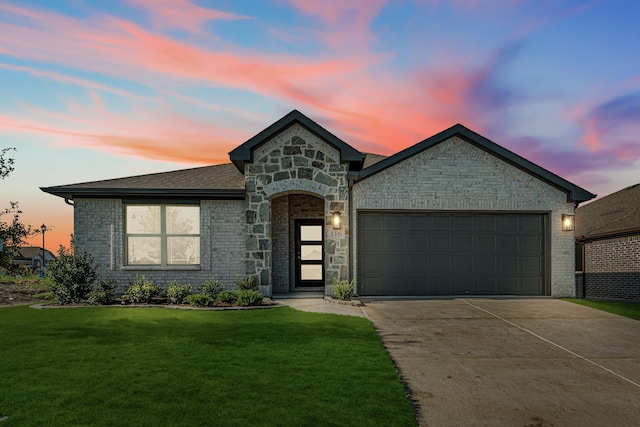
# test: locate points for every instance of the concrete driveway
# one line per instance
(513, 362)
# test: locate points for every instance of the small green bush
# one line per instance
(245, 298)
(229, 297)
(200, 300)
(342, 289)
(211, 287)
(176, 294)
(104, 293)
(141, 291)
(246, 283)
(72, 274)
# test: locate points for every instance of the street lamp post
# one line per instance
(43, 228)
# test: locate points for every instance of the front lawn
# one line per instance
(627, 309)
(130, 366)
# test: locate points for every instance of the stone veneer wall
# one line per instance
(457, 176)
(294, 161)
(612, 268)
(98, 229)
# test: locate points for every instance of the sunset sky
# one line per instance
(95, 90)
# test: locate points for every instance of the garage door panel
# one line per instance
(370, 222)
(393, 242)
(417, 286)
(463, 223)
(451, 254)
(417, 223)
(484, 265)
(485, 286)
(440, 223)
(531, 224)
(462, 264)
(440, 243)
(507, 265)
(393, 223)
(463, 243)
(508, 285)
(417, 263)
(372, 242)
(417, 242)
(507, 243)
(531, 286)
(485, 243)
(530, 265)
(531, 244)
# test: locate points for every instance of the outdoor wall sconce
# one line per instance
(567, 223)
(335, 220)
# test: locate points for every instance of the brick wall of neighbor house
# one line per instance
(456, 176)
(98, 229)
(612, 268)
(294, 161)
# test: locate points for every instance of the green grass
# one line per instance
(626, 309)
(125, 366)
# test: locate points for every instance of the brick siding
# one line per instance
(612, 268)
(98, 229)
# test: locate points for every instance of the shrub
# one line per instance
(72, 274)
(342, 289)
(211, 287)
(141, 291)
(104, 293)
(228, 297)
(245, 298)
(176, 294)
(201, 300)
(246, 283)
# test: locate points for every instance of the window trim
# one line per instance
(163, 235)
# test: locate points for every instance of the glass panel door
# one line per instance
(309, 253)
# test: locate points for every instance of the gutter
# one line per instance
(608, 235)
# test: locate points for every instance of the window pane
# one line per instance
(183, 220)
(183, 250)
(143, 250)
(311, 272)
(311, 233)
(311, 252)
(143, 219)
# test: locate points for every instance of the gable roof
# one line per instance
(219, 181)
(244, 153)
(615, 214)
(30, 252)
(574, 193)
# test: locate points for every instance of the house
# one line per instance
(608, 246)
(31, 256)
(455, 214)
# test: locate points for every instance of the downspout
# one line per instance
(584, 271)
(350, 184)
(69, 201)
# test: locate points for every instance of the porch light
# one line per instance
(567, 223)
(335, 220)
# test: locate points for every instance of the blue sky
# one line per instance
(98, 90)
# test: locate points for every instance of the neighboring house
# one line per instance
(608, 246)
(31, 256)
(455, 214)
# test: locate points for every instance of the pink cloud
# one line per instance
(88, 84)
(181, 14)
(147, 133)
(345, 24)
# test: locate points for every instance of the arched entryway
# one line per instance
(297, 222)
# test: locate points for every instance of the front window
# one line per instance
(162, 234)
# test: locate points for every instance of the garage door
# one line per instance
(451, 254)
